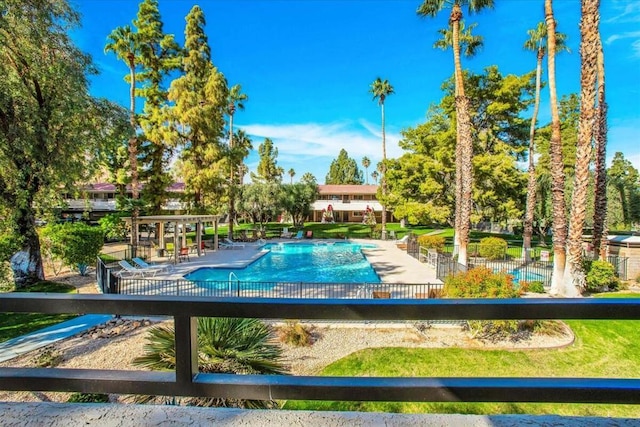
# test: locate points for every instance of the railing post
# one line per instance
(186, 328)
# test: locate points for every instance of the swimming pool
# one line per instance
(339, 262)
(527, 276)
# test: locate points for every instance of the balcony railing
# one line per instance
(187, 381)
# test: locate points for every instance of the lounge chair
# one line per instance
(402, 243)
(309, 234)
(230, 244)
(286, 234)
(160, 267)
(299, 235)
(133, 271)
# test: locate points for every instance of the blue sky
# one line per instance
(307, 66)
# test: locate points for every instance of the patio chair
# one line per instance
(309, 234)
(402, 243)
(232, 244)
(169, 248)
(133, 271)
(299, 235)
(381, 295)
(160, 267)
(183, 255)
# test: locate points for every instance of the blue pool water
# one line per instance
(340, 262)
(526, 276)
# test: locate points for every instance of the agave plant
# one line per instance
(226, 346)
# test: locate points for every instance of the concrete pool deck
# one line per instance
(392, 264)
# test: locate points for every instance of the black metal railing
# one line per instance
(185, 380)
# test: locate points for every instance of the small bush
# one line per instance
(295, 334)
(602, 276)
(88, 398)
(492, 248)
(431, 242)
(480, 282)
(535, 287)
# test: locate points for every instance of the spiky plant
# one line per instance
(225, 346)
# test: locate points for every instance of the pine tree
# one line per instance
(344, 170)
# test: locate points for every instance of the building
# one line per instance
(337, 203)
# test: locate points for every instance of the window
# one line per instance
(357, 214)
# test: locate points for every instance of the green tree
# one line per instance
(225, 346)
(268, 169)
(199, 97)
(538, 44)
(158, 58)
(381, 89)
(49, 125)
(298, 199)
(123, 43)
(291, 173)
(76, 245)
(464, 142)
(344, 170)
(625, 180)
(261, 201)
(236, 100)
(308, 178)
(365, 164)
(374, 175)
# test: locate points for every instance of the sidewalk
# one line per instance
(43, 337)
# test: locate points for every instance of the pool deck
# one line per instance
(392, 265)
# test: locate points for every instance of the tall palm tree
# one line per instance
(225, 345)
(380, 90)
(292, 174)
(464, 144)
(123, 43)
(471, 45)
(559, 223)
(365, 164)
(574, 276)
(600, 208)
(374, 175)
(537, 43)
(236, 100)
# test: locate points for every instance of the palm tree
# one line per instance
(574, 275)
(236, 99)
(374, 175)
(559, 223)
(464, 143)
(365, 164)
(291, 174)
(123, 43)
(600, 208)
(225, 345)
(536, 43)
(471, 45)
(380, 90)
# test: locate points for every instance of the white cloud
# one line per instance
(621, 36)
(626, 11)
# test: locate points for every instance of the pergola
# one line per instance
(179, 222)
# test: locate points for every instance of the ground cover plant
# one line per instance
(15, 324)
(602, 348)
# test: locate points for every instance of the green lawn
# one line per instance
(603, 348)
(15, 324)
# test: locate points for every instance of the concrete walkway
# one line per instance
(44, 337)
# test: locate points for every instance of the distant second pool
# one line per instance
(339, 262)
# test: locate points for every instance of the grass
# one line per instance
(603, 348)
(15, 324)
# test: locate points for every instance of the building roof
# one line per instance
(625, 240)
(107, 187)
(348, 189)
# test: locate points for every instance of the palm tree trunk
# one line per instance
(231, 180)
(557, 167)
(531, 183)
(600, 208)
(133, 155)
(574, 276)
(383, 179)
(464, 143)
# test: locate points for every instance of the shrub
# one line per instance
(49, 357)
(480, 282)
(295, 334)
(76, 245)
(535, 287)
(88, 398)
(601, 276)
(492, 248)
(431, 242)
(113, 226)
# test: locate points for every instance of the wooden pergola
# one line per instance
(179, 222)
